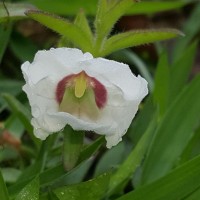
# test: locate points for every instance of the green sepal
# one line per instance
(72, 146)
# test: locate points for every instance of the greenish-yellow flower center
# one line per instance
(80, 84)
(81, 95)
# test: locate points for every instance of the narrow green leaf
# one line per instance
(62, 26)
(192, 149)
(191, 29)
(3, 189)
(137, 37)
(76, 175)
(101, 10)
(176, 185)
(90, 150)
(30, 191)
(142, 120)
(14, 126)
(111, 159)
(174, 131)
(38, 166)
(90, 190)
(194, 196)
(154, 6)
(23, 115)
(181, 69)
(68, 7)
(13, 86)
(82, 22)
(134, 159)
(161, 90)
(14, 11)
(5, 31)
(105, 21)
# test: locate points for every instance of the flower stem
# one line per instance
(72, 145)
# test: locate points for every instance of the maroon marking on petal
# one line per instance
(100, 93)
(61, 87)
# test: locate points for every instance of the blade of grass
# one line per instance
(3, 190)
(173, 133)
(5, 32)
(176, 185)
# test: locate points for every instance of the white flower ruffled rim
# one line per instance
(125, 92)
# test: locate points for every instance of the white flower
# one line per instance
(65, 86)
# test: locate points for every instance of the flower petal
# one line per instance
(124, 92)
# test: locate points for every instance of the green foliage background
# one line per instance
(159, 157)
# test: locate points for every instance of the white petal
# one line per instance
(38, 131)
(112, 140)
(55, 64)
(125, 92)
(118, 74)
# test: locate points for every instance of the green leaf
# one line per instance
(14, 11)
(173, 133)
(91, 149)
(82, 22)
(142, 120)
(106, 19)
(90, 190)
(5, 32)
(111, 158)
(194, 196)
(3, 189)
(68, 7)
(181, 69)
(192, 149)
(137, 37)
(14, 126)
(30, 191)
(38, 166)
(22, 47)
(76, 175)
(191, 29)
(10, 174)
(161, 91)
(14, 87)
(154, 7)
(126, 170)
(176, 185)
(22, 113)
(60, 25)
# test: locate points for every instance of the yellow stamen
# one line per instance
(80, 85)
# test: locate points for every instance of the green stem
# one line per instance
(72, 145)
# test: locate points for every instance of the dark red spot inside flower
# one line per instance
(100, 93)
(61, 87)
